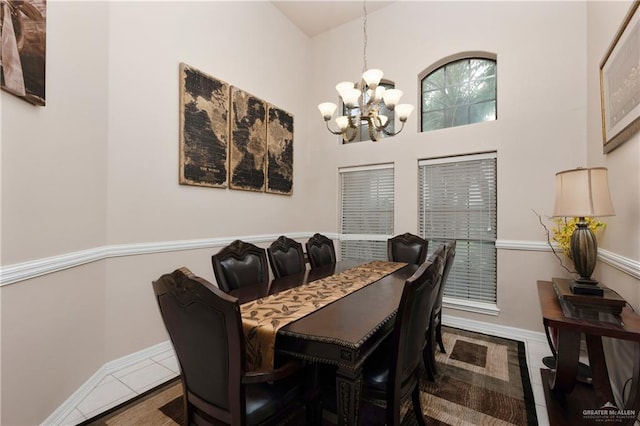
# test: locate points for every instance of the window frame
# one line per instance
(375, 237)
(476, 54)
(471, 305)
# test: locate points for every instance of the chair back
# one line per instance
(240, 264)
(320, 250)
(450, 254)
(285, 257)
(407, 248)
(205, 328)
(412, 319)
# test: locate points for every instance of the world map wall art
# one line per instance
(230, 138)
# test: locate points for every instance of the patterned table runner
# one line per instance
(262, 318)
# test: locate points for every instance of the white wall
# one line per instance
(98, 165)
(541, 126)
(622, 235)
(54, 198)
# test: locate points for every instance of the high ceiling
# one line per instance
(316, 17)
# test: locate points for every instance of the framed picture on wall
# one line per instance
(248, 146)
(620, 83)
(23, 35)
(204, 128)
(279, 151)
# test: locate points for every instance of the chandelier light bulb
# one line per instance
(372, 77)
(342, 122)
(391, 97)
(350, 97)
(327, 109)
(404, 111)
(344, 86)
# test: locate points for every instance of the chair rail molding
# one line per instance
(15, 273)
(11, 274)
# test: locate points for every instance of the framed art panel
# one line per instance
(620, 83)
(204, 129)
(248, 146)
(23, 34)
(279, 151)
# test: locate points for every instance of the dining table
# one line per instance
(342, 333)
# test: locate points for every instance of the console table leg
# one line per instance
(599, 372)
(349, 386)
(633, 401)
(568, 354)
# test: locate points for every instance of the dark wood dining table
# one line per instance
(343, 333)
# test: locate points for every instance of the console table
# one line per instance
(567, 400)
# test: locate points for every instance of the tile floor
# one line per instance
(131, 381)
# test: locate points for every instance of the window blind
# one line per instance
(457, 200)
(366, 211)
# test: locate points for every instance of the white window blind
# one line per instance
(457, 200)
(366, 212)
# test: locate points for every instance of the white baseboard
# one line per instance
(493, 329)
(61, 413)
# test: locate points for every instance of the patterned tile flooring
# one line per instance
(134, 380)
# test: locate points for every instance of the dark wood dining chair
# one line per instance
(434, 334)
(320, 251)
(393, 371)
(407, 248)
(205, 328)
(286, 257)
(240, 264)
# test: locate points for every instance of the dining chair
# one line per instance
(240, 264)
(434, 334)
(286, 257)
(393, 370)
(407, 248)
(205, 328)
(320, 251)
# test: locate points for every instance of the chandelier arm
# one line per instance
(329, 129)
(350, 136)
(386, 132)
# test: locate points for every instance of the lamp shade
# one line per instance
(583, 192)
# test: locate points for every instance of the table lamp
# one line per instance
(583, 192)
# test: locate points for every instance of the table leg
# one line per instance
(563, 378)
(348, 388)
(599, 372)
(633, 400)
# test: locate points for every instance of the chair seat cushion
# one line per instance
(264, 400)
(375, 373)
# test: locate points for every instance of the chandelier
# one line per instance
(363, 102)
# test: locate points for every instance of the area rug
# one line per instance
(482, 380)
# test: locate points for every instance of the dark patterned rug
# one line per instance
(482, 380)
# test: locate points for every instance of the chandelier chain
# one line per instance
(364, 31)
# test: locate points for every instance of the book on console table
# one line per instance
(610, 302)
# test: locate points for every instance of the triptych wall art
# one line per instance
(232, 139)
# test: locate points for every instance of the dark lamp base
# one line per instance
(579, 287)
(587, 281)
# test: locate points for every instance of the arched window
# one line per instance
(458, 90)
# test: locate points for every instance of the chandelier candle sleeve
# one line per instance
(583, 192)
